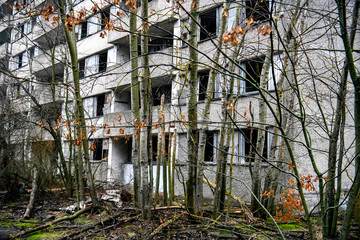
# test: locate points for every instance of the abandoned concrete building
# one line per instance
(34, 53)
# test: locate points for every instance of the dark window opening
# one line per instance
(157, 92)
(253, 72)
(210, 147)
(250, 137)
(100, 105)
(102, 61)
(158, 44)
(19, 59)
(82, 68)
(129, 148)
(5, 36)
(100, 153)
(155, 146)
(105, 17)
(83, 30)
(32, 52)
(203, 82)
(208, 24)
(258, 10)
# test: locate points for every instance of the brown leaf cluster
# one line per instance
(132, 5)
(71, 21)
(232, 36)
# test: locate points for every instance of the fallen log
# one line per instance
(71, 217)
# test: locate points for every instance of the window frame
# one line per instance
(203, 31)
(104, 144)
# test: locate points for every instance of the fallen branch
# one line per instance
(75, 215)
(100, 222)
(247, 212)
(164, 224)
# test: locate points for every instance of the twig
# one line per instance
(164, 224)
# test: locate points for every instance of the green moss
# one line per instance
(23, 224)
(5, 224)
(82, 220)
(289, 226)
(45, 235)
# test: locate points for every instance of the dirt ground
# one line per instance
(112, 221)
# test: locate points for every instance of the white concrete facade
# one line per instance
(105, 82)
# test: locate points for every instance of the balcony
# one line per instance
(43, 60)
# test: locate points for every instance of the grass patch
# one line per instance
(45, 235)
(289, 226)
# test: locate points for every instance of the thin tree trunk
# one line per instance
(145, 127)
(205, 126)
(34, 189)
(356, 82)
(71, 42)
(163, 151)
(256, 176)
(135, 106)
(192, 138)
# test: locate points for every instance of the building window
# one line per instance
(258, 10)
(100, 149)
(82, 68)
(251, 74)
(157, 92)
(245, 142)
(22, 59)
(24, 28)
(94, 64)
(203, 79)
(105, 17)
(93, 24)
(211, 146)
(250, 78)
(155, 145)
(158, 44)
(93, 106)
(208, 24)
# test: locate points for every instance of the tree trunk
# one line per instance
(71, 42)
(259, 148)
(34, 189)
(356, 82)
(135, 106)
(192, 136)
(145, 127)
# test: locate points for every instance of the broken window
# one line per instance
(252, 74)
(83, 32)
(22, 59)
(245, 142)
(158, 44)
(82, 68)
(203, 79)
(250, 78)
(93, 106)
(258, 10)
(157, 92)
(93, 24)
(211, 146)
(24, 28)
(155, 145)
(105, 17)
(94, 64)
(101, 149)
(208, 24)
